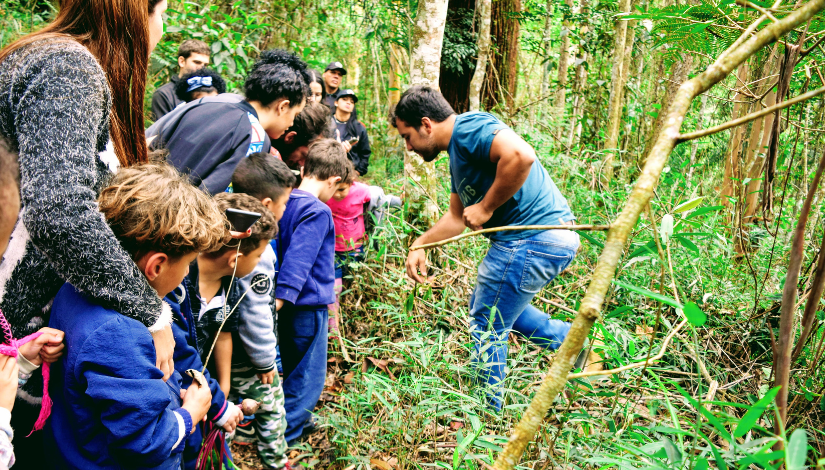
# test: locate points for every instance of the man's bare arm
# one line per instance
(514, 158)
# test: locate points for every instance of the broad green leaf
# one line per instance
(797, 452)
(694, 314)
(704, 210)
(701, 464)
(649, 247)
(688, 205)
(648, 293)
(590, 238)
(618, 311)
(686, 243)
(750, 418)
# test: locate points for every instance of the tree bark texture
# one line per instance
(560, 96)
(614, 106)
(732, 173)
(484, 16)
(782, 355)
(500, 86)
(455, 86)
(581, 80)
(427, 39)
(620, 230)
(546, 41)
(680, 70)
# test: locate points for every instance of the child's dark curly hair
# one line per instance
(278, 75)
(197, 81)
(264, 229)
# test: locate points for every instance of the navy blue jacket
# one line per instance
(112, 408)
(187, 357)
(306, 248)
(208, 137)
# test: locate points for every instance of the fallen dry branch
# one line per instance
(634, 365)
(510, 228)
(617, 236)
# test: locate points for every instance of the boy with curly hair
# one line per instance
(111, 405)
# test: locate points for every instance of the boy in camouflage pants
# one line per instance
(254, 343)
(270, 421)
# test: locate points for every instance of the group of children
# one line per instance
(235, 303)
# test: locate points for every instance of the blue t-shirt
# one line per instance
(537, 202)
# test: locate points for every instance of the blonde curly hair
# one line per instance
(152, 207)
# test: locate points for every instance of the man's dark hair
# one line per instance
(278, 75)
(327, 158)
(266, 228)
(191, 46)
(419, 102)
(182, 87)
(263, 176)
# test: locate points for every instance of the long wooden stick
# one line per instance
(620, 230)
(510, 228)
(750, 117)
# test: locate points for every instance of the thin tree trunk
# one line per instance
(559, 100)
(680, 70)
(427, 38)
(614, 107)
(581, 80)
(782, 355)
(694, 148)
(485, 11)
(395, 74)
(732, 173)
(546, 40)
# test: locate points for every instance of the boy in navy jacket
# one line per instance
(221, 412)
(112, 408)
(306, 281)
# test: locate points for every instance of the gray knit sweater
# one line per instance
(54, 107)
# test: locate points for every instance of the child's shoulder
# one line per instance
(83, 319)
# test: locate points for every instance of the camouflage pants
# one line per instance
(270, 420)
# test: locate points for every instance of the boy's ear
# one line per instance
(289, 137)
(282, 107)
(233, 258)
(152, 264)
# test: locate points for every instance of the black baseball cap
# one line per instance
(336, 66)
(347, 92)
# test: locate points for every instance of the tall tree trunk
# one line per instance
(732, 173)
(560, 96)
(680, 70)
(484, 14)
(395, 74)
(427, 38)
(581, 80)
(500, 86)
(546, 40)
(455, 84)
(614, 107)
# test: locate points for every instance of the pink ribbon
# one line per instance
(11, 348)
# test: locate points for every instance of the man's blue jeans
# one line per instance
(512, 273)
(303, 345)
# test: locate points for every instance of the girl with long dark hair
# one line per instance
(71, 104)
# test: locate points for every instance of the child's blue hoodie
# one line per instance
(112, 408)
(187, 357)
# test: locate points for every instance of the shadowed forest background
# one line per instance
(588, 84)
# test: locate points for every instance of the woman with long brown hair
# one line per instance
(71, 103)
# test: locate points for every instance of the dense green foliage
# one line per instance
(406, 401)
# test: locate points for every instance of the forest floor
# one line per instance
(406, 401)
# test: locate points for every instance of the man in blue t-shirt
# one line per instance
(496, 181)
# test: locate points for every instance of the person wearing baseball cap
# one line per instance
(350, 132)
(333, 75)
